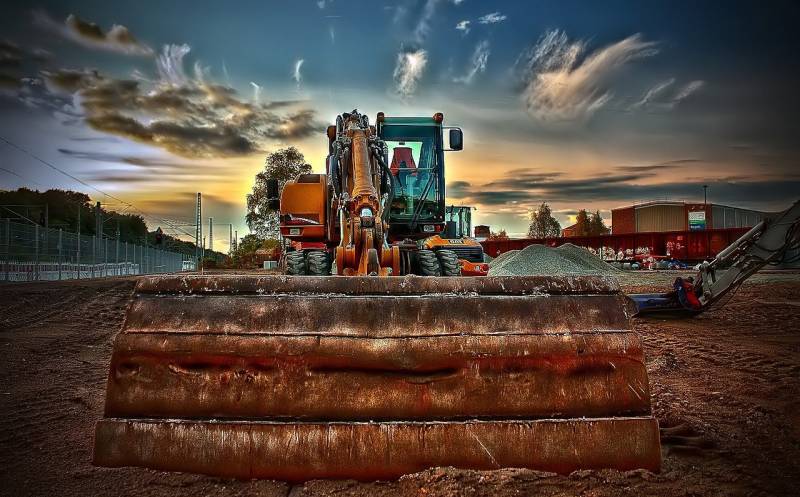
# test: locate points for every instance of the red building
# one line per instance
(570, 231)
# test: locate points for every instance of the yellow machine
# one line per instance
(459, 253)
(375, 372)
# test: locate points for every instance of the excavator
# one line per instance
(375, 371)
(774, 240)
(398, 204)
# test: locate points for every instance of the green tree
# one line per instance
(283, 165)
(543, 224)
(245, 254)
(582, 223)
(597, 226)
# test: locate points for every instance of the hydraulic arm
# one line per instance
(769, 242)
(361, 189)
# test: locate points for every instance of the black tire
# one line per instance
(428, 263)
(318, 263)
(448, 261)
(296, 263)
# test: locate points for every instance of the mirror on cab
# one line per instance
(273, 195)
(456, 139)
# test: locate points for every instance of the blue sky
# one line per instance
(581, 104)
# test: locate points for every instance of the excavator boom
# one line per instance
(769, 242)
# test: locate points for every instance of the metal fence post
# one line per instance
(59, 252)
(105, 257)
(8, 246)
(94, 253)
(78, 254)
(36, 260)
(116, 257)
(126, 259)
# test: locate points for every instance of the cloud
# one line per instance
(671, 164)
(296, 75)
(169, 64)
(9, 60)
(408, 71)
(687, 90)
(423, 23)
(561, 83)
(526, 188)
(88, 34)
(659, 98)
(492, 18)
(256, 92)
(463, 26)
(137, 169)
(13, 60)
(190, 117)
(9, 83)
(653, 93)
(477, 62)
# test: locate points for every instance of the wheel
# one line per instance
(318, 263)
(448, 261)
(295, 263)
(428, 264)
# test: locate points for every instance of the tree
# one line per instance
(582, 223)
(500, 235)
(245, 254)
(283, 165)
(597, 226)
(543, 224)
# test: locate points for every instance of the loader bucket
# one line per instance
(296, 378)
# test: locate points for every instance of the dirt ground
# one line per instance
(725, 389)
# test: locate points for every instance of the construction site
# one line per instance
(416, 248)
(386, 353)
(723, 387)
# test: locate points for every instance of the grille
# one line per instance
(470, 252)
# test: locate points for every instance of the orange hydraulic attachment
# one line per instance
(362, 248)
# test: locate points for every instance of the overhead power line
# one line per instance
(84, 183)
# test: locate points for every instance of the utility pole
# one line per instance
(198, 230)
(98, 228)
(230, 239)
(705, 194)
(235, 239)
(211, 234)
(78, 252)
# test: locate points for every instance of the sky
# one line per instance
(584, 105)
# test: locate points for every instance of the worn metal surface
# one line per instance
(358, 285)
(369, 451)
(378, 316)
(307, 377)
(374, 377)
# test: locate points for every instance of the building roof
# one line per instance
(681, 203)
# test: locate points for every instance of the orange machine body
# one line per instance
(304, 210)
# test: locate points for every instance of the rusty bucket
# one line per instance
(295, 378)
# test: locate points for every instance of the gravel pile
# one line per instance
(543, 260)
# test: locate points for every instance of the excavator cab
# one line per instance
(415, 152)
